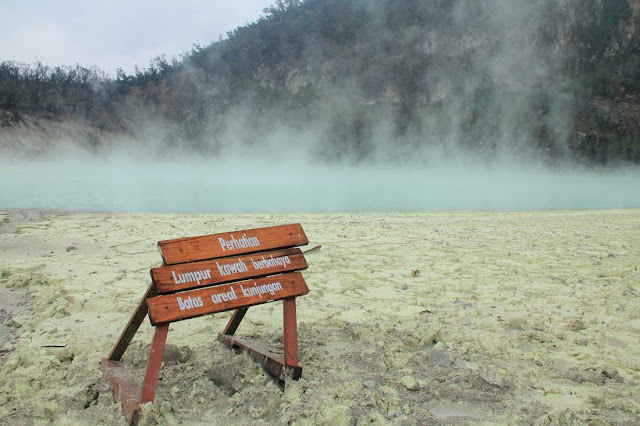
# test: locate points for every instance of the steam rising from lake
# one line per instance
(415, 129)
(223, 186)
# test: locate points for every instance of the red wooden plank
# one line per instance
(194, 303)
(290, 332)
(204, 247)
(132, 326)
(124, 389)
(271, 363)
(154, 363)
(234, 321)
(186, 276)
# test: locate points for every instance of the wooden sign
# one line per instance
(210, 272)
(204, 247)
(194, 303)
(215, 273)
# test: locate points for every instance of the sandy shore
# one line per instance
(430, 318)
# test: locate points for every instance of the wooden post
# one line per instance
(132, 326)
(235, 321)
(290, 332)
(124, 389)
(154, 363)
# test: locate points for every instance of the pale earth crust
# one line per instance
(426, 318)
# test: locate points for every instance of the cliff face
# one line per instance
(559, 77)
(553, 79)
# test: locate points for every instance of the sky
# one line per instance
(117, 33)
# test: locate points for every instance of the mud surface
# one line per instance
(440, 318)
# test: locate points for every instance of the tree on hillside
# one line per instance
(281, 6)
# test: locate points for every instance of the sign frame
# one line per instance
(273, 275)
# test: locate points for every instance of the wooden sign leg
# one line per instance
(273, 364)
(124, 389)
(132, 326)
(235, 321)
(154, 363)
(290, 333)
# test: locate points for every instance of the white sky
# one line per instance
(117, 33)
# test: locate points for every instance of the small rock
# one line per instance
(49, 410)
(518, 323)
(576, 325)
(393, 414)
(612, 373)
(71, 248)
(611, 256)
(174, 355)
(440, 358)
(225, 383)
(410, 383)
(404, 287)
(578, 378)
(369, 384)
(465, 305)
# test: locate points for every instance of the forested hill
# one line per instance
(361, 80)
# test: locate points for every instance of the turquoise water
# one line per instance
(230, 186)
